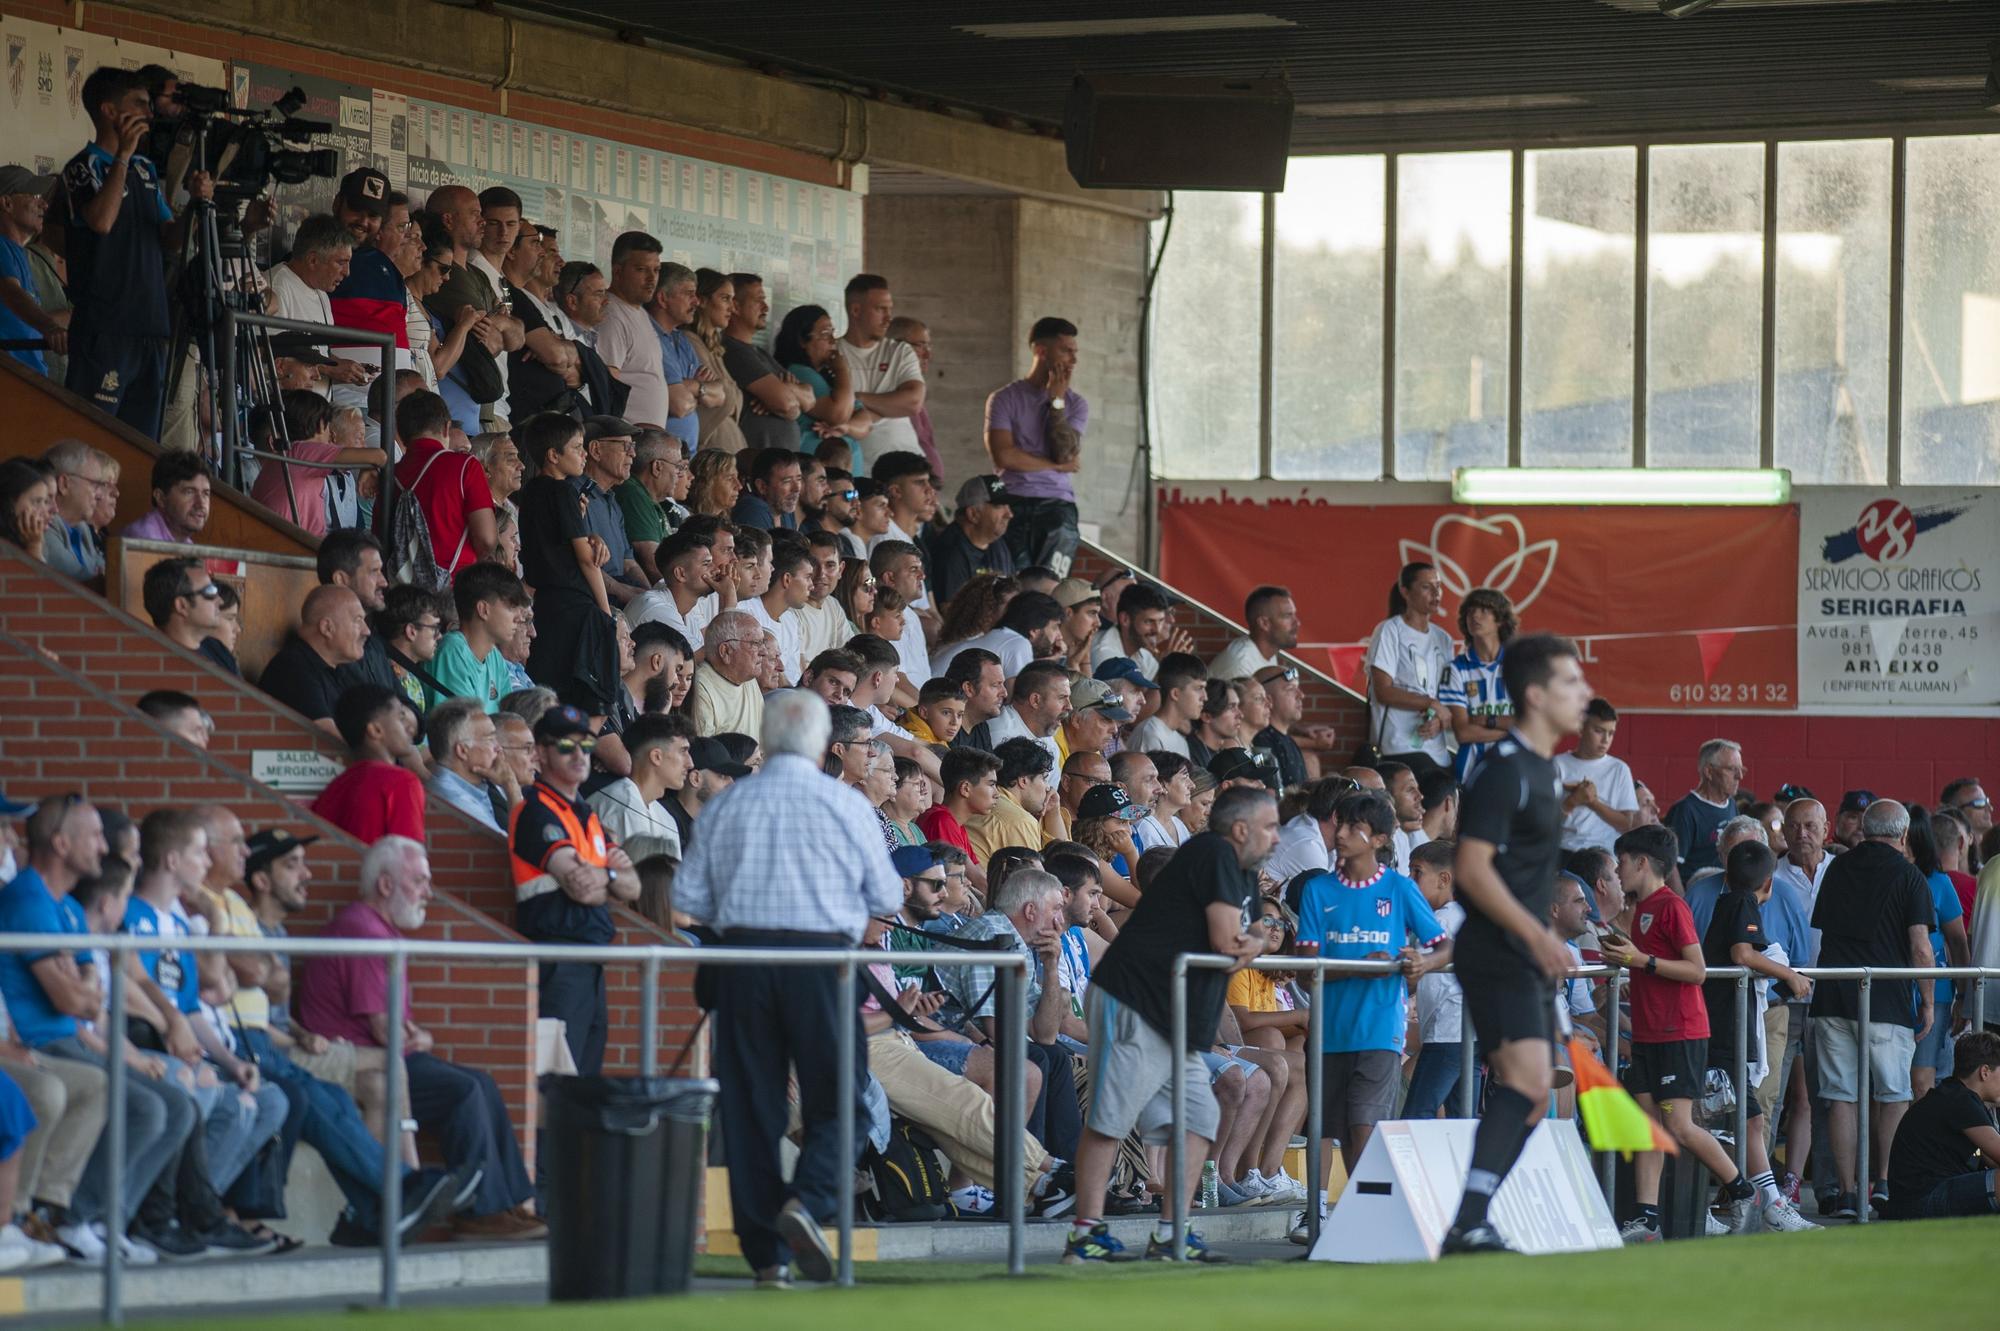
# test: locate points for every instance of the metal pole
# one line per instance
(1009, 1167)
(231, 470)
(392, 1130)
(1177, 1199)
(845, 1082)
(1862, 1122)
(1468, 1067)
(1979, 1002)
(1742, 1033)
(1607, 1161)
(1316, 1165)
(114, 1182)
(649, 1018)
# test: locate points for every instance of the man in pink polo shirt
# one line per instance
(180, 501)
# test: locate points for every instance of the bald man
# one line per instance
(332, 632)
(472, 281)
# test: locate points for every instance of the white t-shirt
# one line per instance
(1415, 660)
(880, 724)
(1153, 735)
(1013, 650)
(1399, 841)
(1149, 831)
(1107, 645)
(883, 368)
(1440, 1004)
(291, 298)
(627, 338)
(638, 825)
(1301, 849)
(657, 607)
(820, 628)
(1239, 660)
(1613, 780)
(501, 287)
(1009, 725)
(913, 651)
(784, 628)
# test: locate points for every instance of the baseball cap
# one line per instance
(272, 843)
(983, 490)
(1855, 801)
(561, 723)
(1792, 790)
(546, 232)
(607, 427)
(1095, 695)
(1108, 801)
(20, 180)
(912, 860)
(1123, 667)
(1243, 765)
(1073, 592)
(10, 808)
(708, 754)
(1104, 580)
(366, 189)
(300, 347)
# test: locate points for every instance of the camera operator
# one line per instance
(120, 231)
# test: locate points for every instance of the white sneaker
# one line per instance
(85, 1244)
(1293, 1188)
(973, 1200)
(1783, 1217)
(1257, 1188)
(1299, 1233)
(18, 1252)
(1716, 1228)
(1638, 1231)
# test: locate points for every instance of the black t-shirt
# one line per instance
(1931, 1145)
(955, 561)
(531, 385)
(1868, 902)
(1513, 805)
(1171, 919)
(221, 656)
(1737, 919)
(117, 281)
(1291, 761)
(683, 820)
(1697, 826)
(747, 363)
(298, 678)
(551, 516)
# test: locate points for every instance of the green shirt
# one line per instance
(466, 676)
(645, 520)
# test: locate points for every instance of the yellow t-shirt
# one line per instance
(1253, 990)
(1007, 825)
(252, 1006)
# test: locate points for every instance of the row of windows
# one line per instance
(1634, 333)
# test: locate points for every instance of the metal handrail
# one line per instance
(1010, 1012)
(245, 451)
(1321, 967)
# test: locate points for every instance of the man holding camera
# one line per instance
(119, 230)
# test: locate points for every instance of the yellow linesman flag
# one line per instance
(1611, 1117)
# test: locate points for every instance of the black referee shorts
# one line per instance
(1507, 1001)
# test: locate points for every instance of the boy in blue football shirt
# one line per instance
(1362, 910)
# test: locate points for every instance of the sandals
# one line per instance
(286, 1243)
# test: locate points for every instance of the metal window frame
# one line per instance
(1516, 286)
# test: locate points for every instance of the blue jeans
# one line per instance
(158, 1119)
(1433, 1080)
(332, 1125)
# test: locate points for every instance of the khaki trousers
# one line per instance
(946, 1105)
(70, 1101)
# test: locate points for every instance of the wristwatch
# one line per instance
(611, 878)
(1059, 403)
(1652, 965)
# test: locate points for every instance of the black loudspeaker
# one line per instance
(1165, 133)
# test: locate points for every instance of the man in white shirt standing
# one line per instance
(321, 252)
(1273, 620)
(626, 336)
(1407, 660)
(888, 380)
(1600, 801)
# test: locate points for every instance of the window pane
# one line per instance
(1326, 407)
(1832, 414)
(1454, 229)
(1576, 331)
(1704, 304)
(1205, 378)
(1951, 312)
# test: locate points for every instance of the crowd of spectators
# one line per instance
(642, 578)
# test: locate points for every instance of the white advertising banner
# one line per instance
(46, 67)
(1898, 601)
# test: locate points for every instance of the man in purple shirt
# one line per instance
(180, 501)
(1034, 434)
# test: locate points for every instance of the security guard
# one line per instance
(566, 872)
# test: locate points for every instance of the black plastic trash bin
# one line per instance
(624, 1173)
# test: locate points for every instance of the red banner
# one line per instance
(1673, 607)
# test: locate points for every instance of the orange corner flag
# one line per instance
(1611, 1117)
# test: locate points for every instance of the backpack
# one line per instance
(909, 1180)
(411, 559)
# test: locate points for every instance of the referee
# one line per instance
(1508, 958)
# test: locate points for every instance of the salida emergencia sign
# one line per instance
(293, 771)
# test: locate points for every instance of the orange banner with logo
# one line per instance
(1674, 608)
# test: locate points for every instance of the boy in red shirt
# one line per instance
(1669, 1027)
(377, 795)
(971, 786)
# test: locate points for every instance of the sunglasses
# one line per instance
(850, 494)
(930, 882)
(211, 592)
(1981, 803)
(1290, 674)
(569, 746)
(1271, 920)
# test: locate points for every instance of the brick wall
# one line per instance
(487, 1009)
